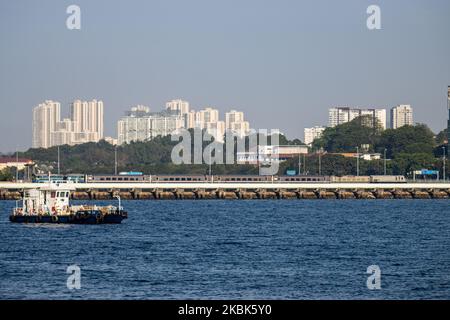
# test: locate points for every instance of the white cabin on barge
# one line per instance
(48, 199)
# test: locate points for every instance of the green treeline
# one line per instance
(407, 148)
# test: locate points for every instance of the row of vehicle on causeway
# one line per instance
(130, 177)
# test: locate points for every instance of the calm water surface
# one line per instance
(236, 249)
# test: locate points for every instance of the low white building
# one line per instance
(269, 154)
(111, 140)
(12, 162)
(370, 156)
(313, 133)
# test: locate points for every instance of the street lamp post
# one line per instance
(443, 163)
(17, 166)
(357, 161)
(299, 164)
(59, 162)
(385, 161)
(304, 164)
(210, 164)
(115, 160)
(320, 164)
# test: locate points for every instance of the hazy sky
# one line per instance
(283, 63)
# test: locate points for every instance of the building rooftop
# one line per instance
(12, 159)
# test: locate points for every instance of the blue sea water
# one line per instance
(236, 250)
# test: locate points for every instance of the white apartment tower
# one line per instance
(205, 116)
(87, 117)
(190, 119)
(216, 129)
(340, 115)
(448, 121)
(208, 119)
(46, 117)
(313, 133)
(401, 115)
(234, 122)
(182, 108)
(85, 124)
(178, 105)
(139, 124)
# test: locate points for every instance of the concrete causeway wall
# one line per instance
(241, 190)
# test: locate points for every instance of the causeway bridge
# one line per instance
(241, 190)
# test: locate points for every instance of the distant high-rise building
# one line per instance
(181, 107)
(87, 117)
(64, 133)
(85, 124)
(190, 119)
(233, 116)
(178, 105)
(46, 117)
(401, 115)
(341, 115)
(313, 133)
(208, 119)
(203, 117)
(216, 129)
(234, 122)
(140, 124)
(448, 121)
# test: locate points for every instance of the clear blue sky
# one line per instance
(283, 63)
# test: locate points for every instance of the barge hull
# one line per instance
(108, 219)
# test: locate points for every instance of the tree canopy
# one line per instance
(346, 137)
(407, 148)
